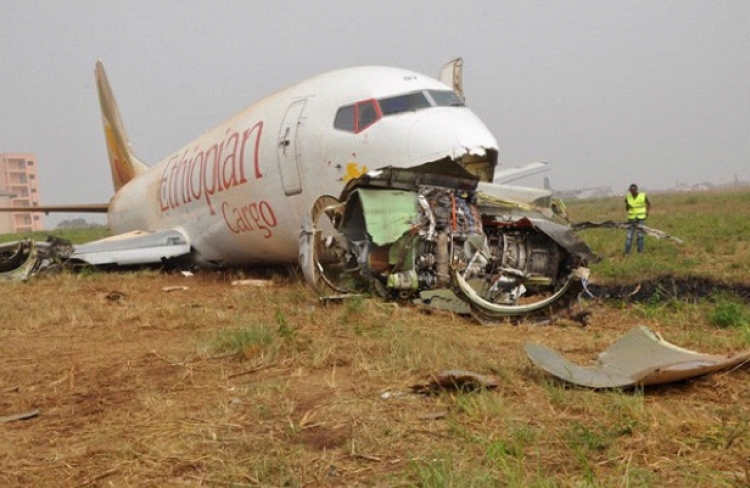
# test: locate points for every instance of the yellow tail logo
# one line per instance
(123, 164)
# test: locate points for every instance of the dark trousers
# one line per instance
(629, 235)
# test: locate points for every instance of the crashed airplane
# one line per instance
(386, 171)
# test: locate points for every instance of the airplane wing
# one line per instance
(134, 248)
(506, 175)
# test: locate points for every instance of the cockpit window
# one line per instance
(345, 118)
(367, 114)
(357, 117)
(410, 102)
(361, 115)
(445, 98)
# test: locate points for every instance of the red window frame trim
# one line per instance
(378, 113)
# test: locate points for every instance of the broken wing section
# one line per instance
(19, 260)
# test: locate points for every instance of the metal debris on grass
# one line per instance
(639, 358)
(19, 416)
(258, 283)
(169, 289)
(456, 379)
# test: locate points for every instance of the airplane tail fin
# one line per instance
(124, 165)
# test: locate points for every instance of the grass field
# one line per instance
(242, 386)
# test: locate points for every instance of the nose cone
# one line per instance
(453, 132)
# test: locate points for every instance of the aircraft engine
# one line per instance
(406, 233)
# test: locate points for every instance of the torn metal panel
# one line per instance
(441, 173)
(19, 260)
(388, 214)
(13, 255)
(639, 358)
(442, 299)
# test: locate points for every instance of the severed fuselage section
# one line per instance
(405, 233)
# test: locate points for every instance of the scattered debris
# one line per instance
(19, 416)
(115, 296)
(443, 299)
(19, 260)
(340, 298)
(611, 224)
(387, 395)
(365, 457)
(439, 415)
(259, 283)
(639, 358)
(169, 289)
(456, 379)
(187, 273)
(581, 317)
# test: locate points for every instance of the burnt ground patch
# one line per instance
(670, 287)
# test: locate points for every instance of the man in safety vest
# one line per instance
(637, 206)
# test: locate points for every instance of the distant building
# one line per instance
(20, 185)
(6, 219)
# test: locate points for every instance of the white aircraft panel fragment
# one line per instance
(639, 358)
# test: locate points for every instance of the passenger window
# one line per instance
(345, 119)
(367, 114)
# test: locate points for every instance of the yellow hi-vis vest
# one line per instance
(636, 206)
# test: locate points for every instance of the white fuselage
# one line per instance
(239, 192)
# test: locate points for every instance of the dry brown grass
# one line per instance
(221, 386)
(136, 392)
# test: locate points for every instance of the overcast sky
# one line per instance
(653, 92)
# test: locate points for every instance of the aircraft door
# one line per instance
(287, 151)
(452, 75)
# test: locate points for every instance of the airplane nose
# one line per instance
(448, 131)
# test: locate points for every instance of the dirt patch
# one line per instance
(321, 438)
